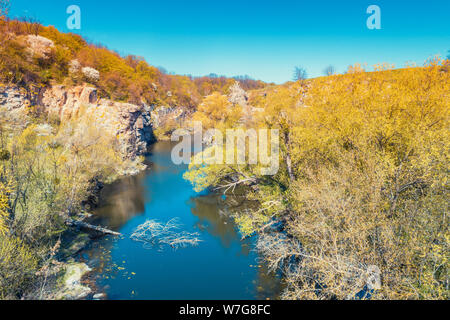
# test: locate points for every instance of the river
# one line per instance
(220, 267)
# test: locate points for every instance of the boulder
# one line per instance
(71, 287)
(74, 66)
(39, 46)
(91, 74)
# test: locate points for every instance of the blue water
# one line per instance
(220, 267)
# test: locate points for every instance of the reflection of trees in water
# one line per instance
(215, 215)
(126, 199)
(214, 220)
(122, 201)
(267, 284)
(213, 212)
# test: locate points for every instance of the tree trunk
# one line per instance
(84, 225)
(287, 142)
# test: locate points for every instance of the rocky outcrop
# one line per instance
(74, 66)
(163, 114)
(237, 95)
(71, 287)
(13, 99)
(39, 46)
(130, 123)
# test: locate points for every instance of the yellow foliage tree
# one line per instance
(362, 191)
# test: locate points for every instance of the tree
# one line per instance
(329, 71)
(300, 74)
(4, 8)
(216, 111)
(4, 206)
(237, 95)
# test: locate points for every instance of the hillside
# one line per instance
(33, 56)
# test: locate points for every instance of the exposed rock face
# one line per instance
(130, 123)
(13, 98)
(39, 46)
(239, 97)
(74, 66)
(163, 114)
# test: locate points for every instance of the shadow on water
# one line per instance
(220, 267)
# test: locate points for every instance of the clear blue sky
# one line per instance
(264, 39)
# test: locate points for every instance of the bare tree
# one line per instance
(4, 8)
(329, 71)
(300, 74)
(238, 96)
(32, 25)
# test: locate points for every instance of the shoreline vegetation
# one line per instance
(358, 210)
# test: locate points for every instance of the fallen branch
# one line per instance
(81, 224)
(155, 234)
(233, 185)
(260, 230)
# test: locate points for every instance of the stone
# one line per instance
(39, 46)
(74, 66)
(12, 98)
(71, 287)
(73, 243)
(131, 123)
(237, 95)
(91, 74)
(99, 296)
(162, 114)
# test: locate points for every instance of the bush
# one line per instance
(18, 267)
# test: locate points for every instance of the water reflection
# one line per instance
(122, 201)
(214, 220)
(221, 267)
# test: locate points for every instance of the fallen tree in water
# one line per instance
(84, 225)
(156, 234)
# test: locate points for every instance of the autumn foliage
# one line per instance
(127, 79)
(359, 208)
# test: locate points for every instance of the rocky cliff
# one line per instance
(130, 123)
